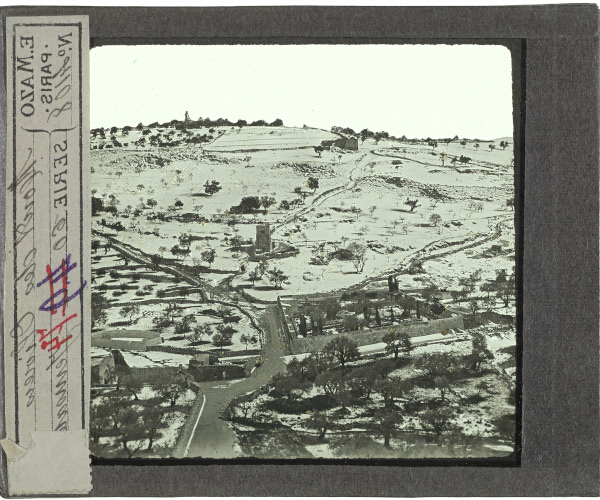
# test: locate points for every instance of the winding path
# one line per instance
(220, 294)
(206, 435)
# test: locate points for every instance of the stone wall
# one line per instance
(119, 339)
(375, 335)
(285, 324)
(153, 341)
(130, 345)
(153, 373)
(135, 334)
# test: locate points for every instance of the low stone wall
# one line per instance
(186, 351)
(152, 373)
(285, 324)
(375, 335)
(130, 345)
(119, 339)
(135, 334)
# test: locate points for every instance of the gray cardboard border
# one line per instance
(560, 281)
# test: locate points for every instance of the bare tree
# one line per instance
(358, 255)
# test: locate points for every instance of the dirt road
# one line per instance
(212, 437)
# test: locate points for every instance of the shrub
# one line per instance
(182, 327)
(220, 340)
(226, 330)
(332, 307)
(161, 322)
(351, 323)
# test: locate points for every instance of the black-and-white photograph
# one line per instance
(303, 252)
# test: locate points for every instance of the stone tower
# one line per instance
(187, 119)
(263, 237)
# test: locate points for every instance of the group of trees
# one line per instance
(503, 286)
(250, 204)
(363, 313)
(330, 372)
(178, 251)
(207, 123)
(130, 423)
(365, 134)
(462, 159)
(100, 305)
(312, 183)
(355, 252)
(207, 255)
(174, 315)
(314, 317)
(167, 317)
(467, 286)
(377, 136)
(182, 249)
(275, 276)
(346, 383)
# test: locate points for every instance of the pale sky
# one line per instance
(413, 90)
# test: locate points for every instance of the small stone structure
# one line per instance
(132, 340)
(263, 237)
(205, 367)
(103, 370)
(203, 359)
(203, 373)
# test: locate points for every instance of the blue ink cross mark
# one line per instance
(60, 273)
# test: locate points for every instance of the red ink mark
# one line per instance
(54, 342)
(60, 273)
